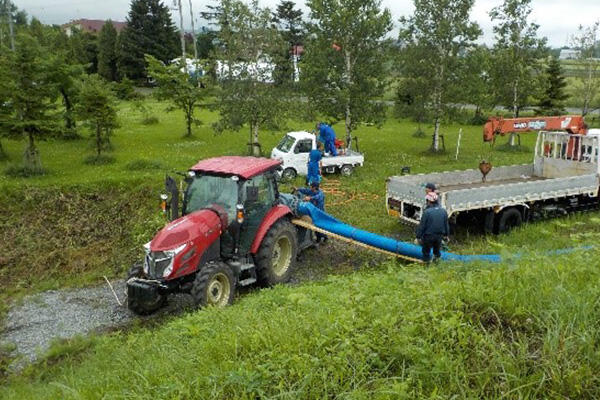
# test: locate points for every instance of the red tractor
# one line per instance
(233, 232)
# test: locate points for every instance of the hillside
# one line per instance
(527, 329)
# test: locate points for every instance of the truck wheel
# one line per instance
(288, 174)
(346, 170)
(277, 254)
(510, 218)
(214, 285)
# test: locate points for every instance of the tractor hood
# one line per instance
(201, 225)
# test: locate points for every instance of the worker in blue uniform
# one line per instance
(317, 198)
(327, 136)
(432, 228)
(314, 165)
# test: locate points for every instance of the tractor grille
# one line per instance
(157, 262)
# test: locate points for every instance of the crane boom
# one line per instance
(501, 126)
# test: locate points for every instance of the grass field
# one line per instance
(524, 329)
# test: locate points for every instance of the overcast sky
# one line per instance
(558, 19)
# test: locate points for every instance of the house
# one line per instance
(569, 54)
(90, 26)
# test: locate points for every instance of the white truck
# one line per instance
(293, 152)
(564, 177)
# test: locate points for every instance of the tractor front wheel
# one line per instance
(276, 257)
(214, 286)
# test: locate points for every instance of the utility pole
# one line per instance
(181, 35)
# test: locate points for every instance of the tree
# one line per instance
(178, 87)
(586, 41)
(84, 50)
(516, 52)
(343, 66)
(248, 45)
(107, 52)
(96, 105)
(32, 94)
(552, 100)
(475, 73)
(440, 32)
(149, 30)
(289, 23)
(205, 43)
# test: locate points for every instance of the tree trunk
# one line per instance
(587, 95)
(3, 155)
(435, 145)
(255, 143)
(188, 121)
(182, 37)
(98, 139)
(11, 30)
(31, 158)
(516, 99)
(348, 122)
(69, 122)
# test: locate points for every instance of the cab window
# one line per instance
(258, 191)
(303, 146)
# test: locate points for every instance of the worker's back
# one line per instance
(434, 221)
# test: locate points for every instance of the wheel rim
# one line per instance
(346, 171)
(218, 290)
(282, 255)
(288, 174)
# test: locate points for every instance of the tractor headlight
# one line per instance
(146, 257)
(171, 254)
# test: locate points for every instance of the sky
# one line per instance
(558, 19)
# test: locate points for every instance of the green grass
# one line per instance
(524, 329)
(460, 331)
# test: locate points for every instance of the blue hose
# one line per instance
(326, 222)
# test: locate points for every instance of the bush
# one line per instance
(150, 120)
(99, 160)
(125, 90)
(22, 171)
(143, 164)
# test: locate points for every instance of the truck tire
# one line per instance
(346, 170)
(276, 257)
(289, 174)
(214, 285)
(509, 219)
(136, 305)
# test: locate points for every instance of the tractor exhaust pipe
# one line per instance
(173, 206)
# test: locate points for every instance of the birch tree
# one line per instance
(516, 53)
(441, 31)
(587, 41)
(247, 47)
(343, 67)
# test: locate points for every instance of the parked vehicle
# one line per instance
(293, 152)
(564, 177)
(233, 232)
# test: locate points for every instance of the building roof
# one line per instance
(94, 25)
(244, 167)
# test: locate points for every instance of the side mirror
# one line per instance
(251, 194)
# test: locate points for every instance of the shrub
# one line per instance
(99, 160)
(23, 171)
(143, 164)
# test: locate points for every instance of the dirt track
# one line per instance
(32, 325)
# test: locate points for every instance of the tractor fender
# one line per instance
(274, 215)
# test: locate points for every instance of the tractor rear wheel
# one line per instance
(276, 257)
(214, 285)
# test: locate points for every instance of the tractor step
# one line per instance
(246, 267)
(247, 281)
